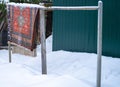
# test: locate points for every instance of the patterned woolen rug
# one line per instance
(23, 25)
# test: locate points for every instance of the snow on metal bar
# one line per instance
(24, 5)
(56, 7)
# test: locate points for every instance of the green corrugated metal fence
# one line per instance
(77, 30)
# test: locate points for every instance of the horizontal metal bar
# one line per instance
(56, 7)
(69, 8)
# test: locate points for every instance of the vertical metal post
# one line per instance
(9, 48)
(43, 41)
(99, 43)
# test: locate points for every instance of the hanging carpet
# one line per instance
(23, 24)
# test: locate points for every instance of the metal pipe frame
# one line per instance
(43, 40)
(99, 35)
(69, 8)
(9, 48)
(99, 44)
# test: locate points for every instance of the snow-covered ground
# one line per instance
(65, 69)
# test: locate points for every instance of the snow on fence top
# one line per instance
(25, 5)
(4, 1)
